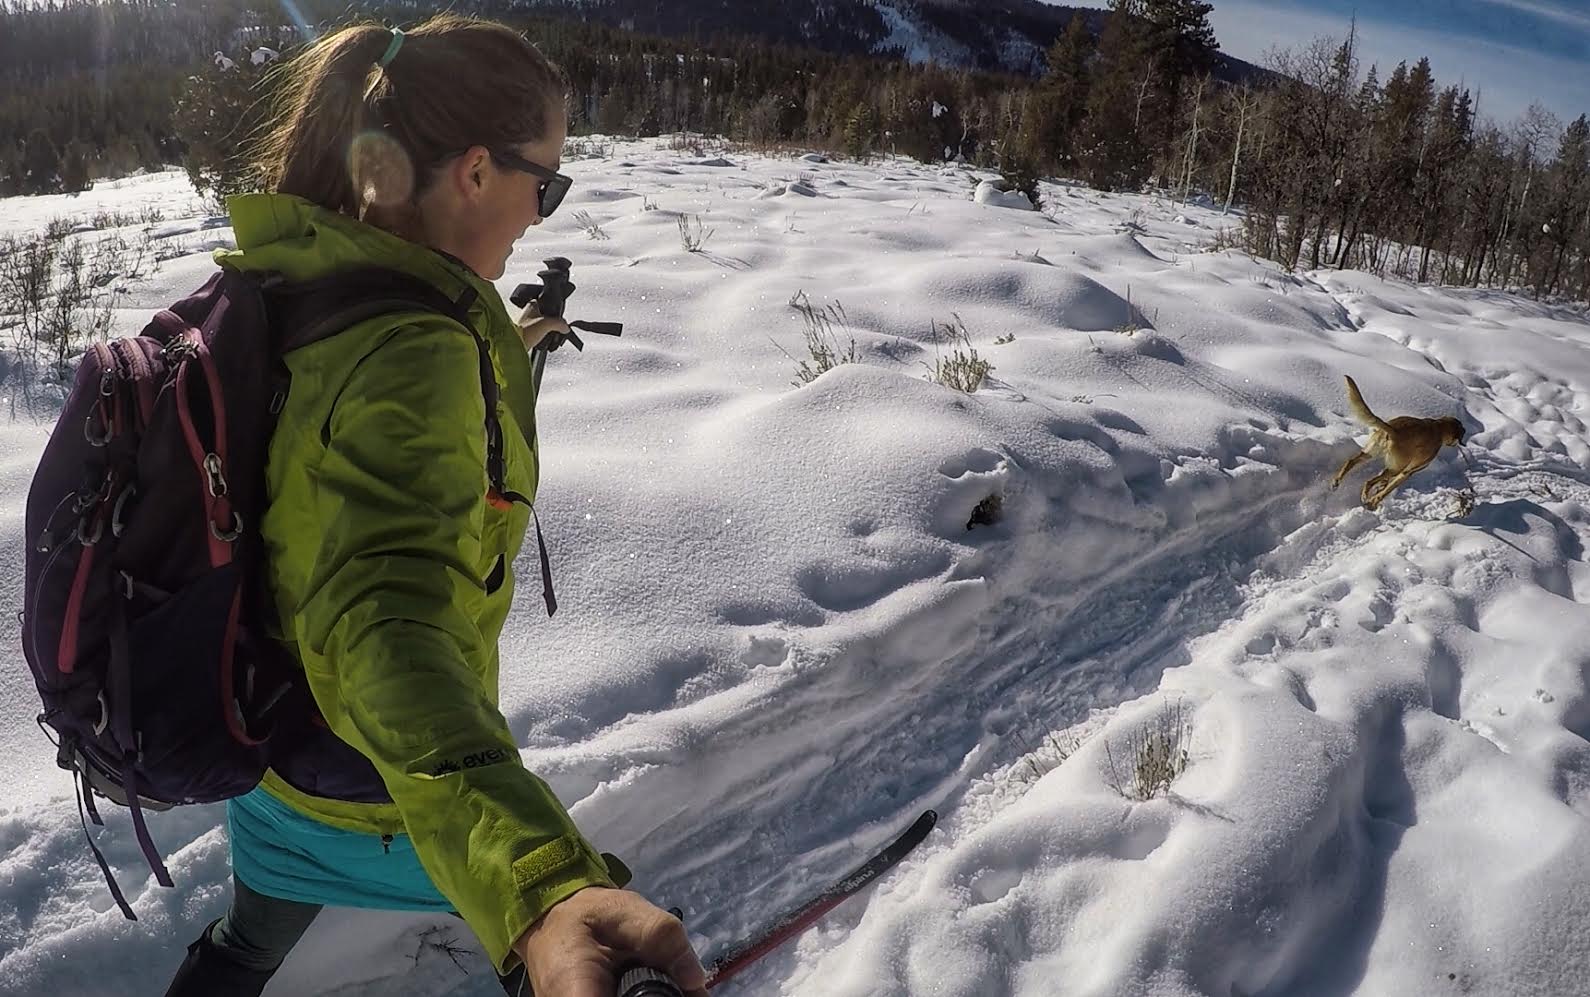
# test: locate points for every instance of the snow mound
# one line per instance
(988, 192)
(795, 187)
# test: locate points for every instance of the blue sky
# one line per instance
(1512, 51)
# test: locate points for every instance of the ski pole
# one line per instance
(793, 922)
(550, 297)
(644, 982)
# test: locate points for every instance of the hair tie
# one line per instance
(391, 49)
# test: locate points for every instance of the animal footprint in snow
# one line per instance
(975, 461)
(990, 885)
(766, 651)
(1261, 645)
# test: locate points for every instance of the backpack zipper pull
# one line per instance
(386, 844)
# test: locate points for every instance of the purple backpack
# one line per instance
(146, 619)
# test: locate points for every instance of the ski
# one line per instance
(795, 921)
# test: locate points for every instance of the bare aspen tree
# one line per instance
(1246, 103)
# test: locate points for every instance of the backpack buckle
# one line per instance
(46, 722)
(90, 539)
(228, 535)
(116, 523)
(217, 482)
(99, 438)
(104, 715)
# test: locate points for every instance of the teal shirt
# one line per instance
(282, 853)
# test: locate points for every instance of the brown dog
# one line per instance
(1405, 445)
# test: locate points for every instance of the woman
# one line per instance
(428, 152)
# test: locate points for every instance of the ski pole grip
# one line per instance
(644, 982)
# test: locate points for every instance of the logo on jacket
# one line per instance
(475, 760)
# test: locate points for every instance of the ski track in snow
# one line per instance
(787, 642)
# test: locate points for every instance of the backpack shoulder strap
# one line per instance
(305, 312)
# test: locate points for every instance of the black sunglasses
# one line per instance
(553, 185)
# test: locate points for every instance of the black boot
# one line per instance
(207, 972)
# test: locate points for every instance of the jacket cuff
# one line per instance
(542, 879)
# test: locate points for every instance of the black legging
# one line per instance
(258, 931)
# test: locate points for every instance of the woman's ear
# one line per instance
(465, 173)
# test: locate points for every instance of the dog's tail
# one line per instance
(1361, 410)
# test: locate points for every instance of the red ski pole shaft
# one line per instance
(794, 922)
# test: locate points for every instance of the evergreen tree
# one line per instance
(40, 164)
(1184, 46)
(74, 168)
(1061, 98)
(861, 131)
(1112, 151)
(220, 111)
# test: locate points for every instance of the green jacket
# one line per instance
(382, 550)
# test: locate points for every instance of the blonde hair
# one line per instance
(347, 133)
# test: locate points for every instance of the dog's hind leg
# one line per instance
(1373, 483)
(1386, 489)
(1347, 467)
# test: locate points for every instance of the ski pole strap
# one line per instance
(600, 328)
(547, 595)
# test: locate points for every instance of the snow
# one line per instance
(780, 640)
(167, 191)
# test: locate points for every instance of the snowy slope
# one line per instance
(781, 640)
(919, 41)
